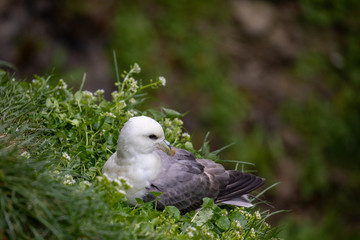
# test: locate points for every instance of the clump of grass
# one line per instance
(53, 144)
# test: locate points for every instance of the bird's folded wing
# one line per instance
(183, 183)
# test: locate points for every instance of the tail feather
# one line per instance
(240, 184)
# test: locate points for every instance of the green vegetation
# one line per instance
(53, 144)
(287, 98)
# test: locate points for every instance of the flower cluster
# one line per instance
(99, 92)
(87, 94)
(25, 154)
(65, 156)
(68, 180)
(109, 114)
(132, 85)
(162, 81)
(62, 85)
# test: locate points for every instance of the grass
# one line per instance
(53, 144)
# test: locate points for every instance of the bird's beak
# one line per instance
(165, 146)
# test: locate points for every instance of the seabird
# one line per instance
(149, 164)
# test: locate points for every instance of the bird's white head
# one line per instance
(142, 135)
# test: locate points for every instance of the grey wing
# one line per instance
(183, 183)
(233, 185)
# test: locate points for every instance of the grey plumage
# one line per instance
(185, 181)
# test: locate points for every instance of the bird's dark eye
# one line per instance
(153, 137)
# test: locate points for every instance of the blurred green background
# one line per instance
(280, 79)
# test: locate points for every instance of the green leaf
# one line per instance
(173, 212)
(156, 194)
(223, 222)
(204, 216)
(208, 203)
(75, 122)
(172, 113)
(78, 96)
(48, 103)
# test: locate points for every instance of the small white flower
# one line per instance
(88, 94)
(66, 156)
(237, 224)
(224, 212)
(122, 104)
(167, 122)
(99, 92)
(25, 154)
(178, 121)
(109, 114)
(69, 180)
(87, 183)
(35, 81)
(252, 233)
(131, 113)
(168, 131)
(162, 80)
(62, 84)
(190, 231)
(185, 136)
(132, 84)
(257, 215)
(102, 133)
(136, 68)
(132, 101)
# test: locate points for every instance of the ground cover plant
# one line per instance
(53, 144)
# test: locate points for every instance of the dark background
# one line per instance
(280, 79)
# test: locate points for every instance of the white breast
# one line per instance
(139, 172)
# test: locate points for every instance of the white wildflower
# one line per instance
(167, 122)
(122, 104)
(35, 81)
(102, 133)
(99, 92)
(257, 215)
(115, 95)
(87, 94)
(109, 114)
(87, 183)
(69, 180)
(185, 136)
(25, 154)
(132, 101)
(237, 224)
(62, 84)
(66, 156)
(136, 68)
(132, 84)
(252, 233)
(162, 80)
(168, 131)
(131, 113)
(190, 231)
(178, 121)
(224, 212)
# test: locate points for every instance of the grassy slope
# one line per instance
(53, 144)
